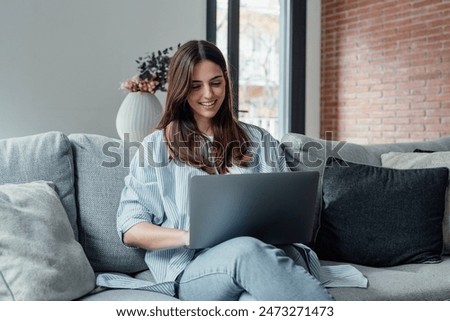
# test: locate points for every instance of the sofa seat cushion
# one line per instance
(46, 156)
(101, 164)
(126, 295)
(409, 282)
(39, 256)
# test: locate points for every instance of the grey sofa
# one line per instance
(87, 171)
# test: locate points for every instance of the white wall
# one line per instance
(62, 61)
(313, 53)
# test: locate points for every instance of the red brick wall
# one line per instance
(385, 70)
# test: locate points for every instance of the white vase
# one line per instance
(138, 115)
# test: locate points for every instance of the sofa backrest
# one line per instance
(46, 156)
(101, 163)
(308, 153)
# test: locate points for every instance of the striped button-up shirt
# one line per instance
(156, 191)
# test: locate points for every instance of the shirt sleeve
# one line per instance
(140, 199)
(276, 156)
(269, 154)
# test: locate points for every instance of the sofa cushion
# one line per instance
(46, 156)
(408, 282)
(39, 256)
(308, 153)
(424, 160)
(127, 295)
(379, 216)
(101, 164)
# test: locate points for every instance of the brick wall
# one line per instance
(385, 70)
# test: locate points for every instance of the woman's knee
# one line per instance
(244, 243)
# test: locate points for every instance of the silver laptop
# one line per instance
(277, 208)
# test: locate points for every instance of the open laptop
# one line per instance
(277, 208)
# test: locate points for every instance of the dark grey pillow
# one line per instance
(381, 216)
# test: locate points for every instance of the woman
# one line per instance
(199, 135)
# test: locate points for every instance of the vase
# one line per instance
(138, 115)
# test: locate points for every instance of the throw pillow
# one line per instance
(39, 256)
(304, 153)
(46, 156)
(379, 216)
(424, 160)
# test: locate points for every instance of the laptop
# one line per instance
(277, 208)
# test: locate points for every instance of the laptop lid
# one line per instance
(277, 208)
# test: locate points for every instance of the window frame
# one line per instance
(294, 115)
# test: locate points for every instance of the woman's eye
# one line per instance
(216, 84)
(195, 87)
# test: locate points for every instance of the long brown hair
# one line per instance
(185, 141)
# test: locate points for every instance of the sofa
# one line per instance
(58, 200)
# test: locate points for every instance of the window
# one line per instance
(257, 38)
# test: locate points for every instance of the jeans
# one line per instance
(247, 266)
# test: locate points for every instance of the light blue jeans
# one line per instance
(246, 266)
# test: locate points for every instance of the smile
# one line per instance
(208, 103)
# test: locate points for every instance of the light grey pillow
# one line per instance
(39, 256)
(47, 157)
(424, 160)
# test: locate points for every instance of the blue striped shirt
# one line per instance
(156, 191)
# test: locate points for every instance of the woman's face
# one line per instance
(207, 93)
